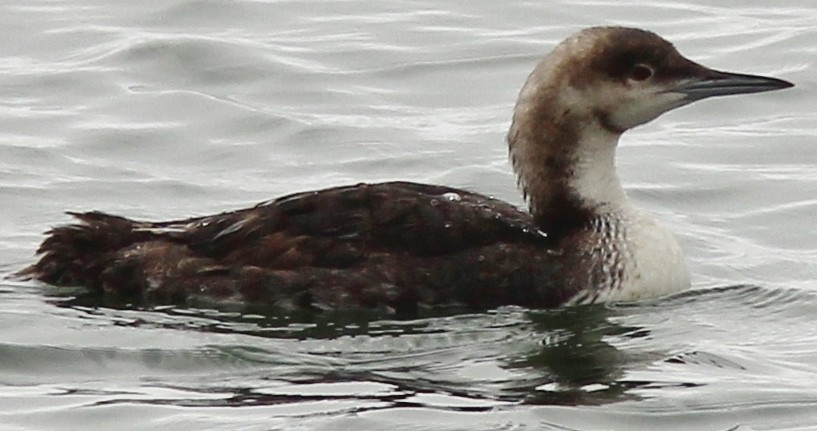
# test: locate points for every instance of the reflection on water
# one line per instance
(323, 365)
(578, 367)
(557, 357)
(356, 362)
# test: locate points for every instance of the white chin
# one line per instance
(642, 111)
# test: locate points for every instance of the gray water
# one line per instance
(166, 109)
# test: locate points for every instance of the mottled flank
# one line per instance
(396, 245)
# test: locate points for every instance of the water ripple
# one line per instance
(167, 109)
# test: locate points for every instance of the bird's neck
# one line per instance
(565, 167)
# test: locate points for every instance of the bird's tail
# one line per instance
(77, 254)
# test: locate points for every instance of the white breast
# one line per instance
(647, 255)
(654, 263)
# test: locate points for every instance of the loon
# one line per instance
(399, 246)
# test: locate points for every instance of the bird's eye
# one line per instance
(640, 72)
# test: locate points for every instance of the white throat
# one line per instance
(649, 255)
(594, 178)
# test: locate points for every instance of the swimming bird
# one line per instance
(400, 245)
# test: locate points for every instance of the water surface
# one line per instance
(161, 109)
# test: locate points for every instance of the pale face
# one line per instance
(638, 100)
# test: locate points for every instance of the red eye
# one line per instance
(640, 72)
